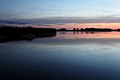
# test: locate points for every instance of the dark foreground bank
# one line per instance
(24, 33)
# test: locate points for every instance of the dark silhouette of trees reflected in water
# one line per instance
(93, 29)
(90, 29)
(81, 32)
(8, 33)
(24, 33)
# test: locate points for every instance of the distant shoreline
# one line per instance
(90, 30)
(86, 31)
(8, 33)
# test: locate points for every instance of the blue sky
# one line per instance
(65, 9)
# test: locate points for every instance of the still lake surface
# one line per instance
(67, 56)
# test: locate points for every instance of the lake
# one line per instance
(66, 56)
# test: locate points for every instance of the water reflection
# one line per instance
(66, 56)
(66, 35)
(28, 37)
(93, 35)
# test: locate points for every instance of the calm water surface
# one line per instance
(68, 56)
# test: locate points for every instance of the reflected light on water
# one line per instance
(93, 35)
(66, 56)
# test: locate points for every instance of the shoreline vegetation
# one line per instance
(11, 33)
(90, 29)
(29, 33)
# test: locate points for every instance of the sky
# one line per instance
(61, 11)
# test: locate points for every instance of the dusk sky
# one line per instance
(61, 11)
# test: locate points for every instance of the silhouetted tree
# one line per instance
(77, 29)
(62, 29)
(74, 29)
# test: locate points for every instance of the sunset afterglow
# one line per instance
(62, 13)
(83, 25)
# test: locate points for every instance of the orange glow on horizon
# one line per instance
(83, 25)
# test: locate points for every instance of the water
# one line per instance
(68, 56)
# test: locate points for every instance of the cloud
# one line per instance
(113, 18)
(62, 20)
